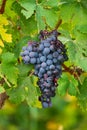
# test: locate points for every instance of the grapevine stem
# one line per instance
(3, 97)
(2, 9)
(58, 24)
(6, 81)
(73, 72)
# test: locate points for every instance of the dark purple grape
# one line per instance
(52, 67)
(49, 62)
(55, 54)
(45, 104)
(50, 56)
(46, 44)
(29, 48)
(42, 58)
(33, 60)
(43, 65)
(41, 47)
(26, 52)
(55, 60)
(46, 51)
(41, 71)
(52, 48)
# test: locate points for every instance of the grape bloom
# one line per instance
(47, 55)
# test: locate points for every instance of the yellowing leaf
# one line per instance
(3, 20)
(5, 36)
(3, 32)
(1, 43)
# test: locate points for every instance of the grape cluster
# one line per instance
(48, 56)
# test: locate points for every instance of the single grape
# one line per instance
(55, 54)
(46, 44)
(61, 58)
(40, 75)
(49, 73)
(43, 65)
(29, 48)
(46, 51)
(52, 67)
(42, 58)
(41, 47)
(45, 104)
(52, 48)
(55, 60)
(41, 70)
(49, 62)
(50, 56)
(33, 60)
(26, 52)
(26, 58)
(32, 54)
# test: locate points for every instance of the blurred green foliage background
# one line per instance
(64, 115)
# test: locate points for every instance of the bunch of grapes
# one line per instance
(47, 55)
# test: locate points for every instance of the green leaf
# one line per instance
(24, 69)
(8, 67)
(67, 83)
(81, 56)
(26, 90)
(73, 84)
(51, 17)
(71, 50)
(77, 51)
(39, 18)
(82, 28)
(8, 57)
(28, 7)
(73, 11)
(50, 3)
(2, 90)
(82, 96)
(63, 85)
(9, 10)
(48, 16)
(67, 11)
(31, 91)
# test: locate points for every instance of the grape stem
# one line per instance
(58, 24)
(76, 72)
(3, 97)
(5, 80)
(2, 9)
